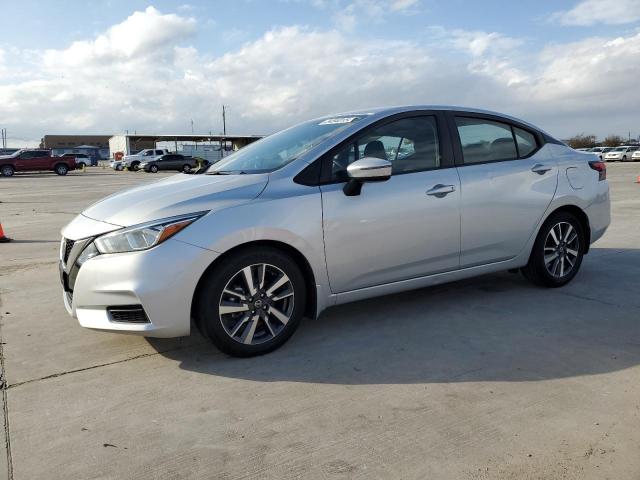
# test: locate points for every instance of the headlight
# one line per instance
(89, 252)
(144, 236)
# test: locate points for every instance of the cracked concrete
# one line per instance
(485, 378)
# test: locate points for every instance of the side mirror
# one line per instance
(367, 169)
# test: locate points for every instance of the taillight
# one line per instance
(599, 167)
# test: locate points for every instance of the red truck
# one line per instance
(32, 160)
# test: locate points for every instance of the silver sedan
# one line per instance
(333, 210)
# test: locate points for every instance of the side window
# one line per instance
(410, 144)
(159, 152)
(526, 141)
(41, 153)
(26, 155)
(485, 140)
(148, 153)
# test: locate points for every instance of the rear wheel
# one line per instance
(153, 169)
(135, 166)
(557, 253)
(186, 168)
(61, 169)
(7, 171)
(252, 302)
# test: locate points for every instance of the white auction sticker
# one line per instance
(334, 121)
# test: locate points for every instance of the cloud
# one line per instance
(142, 35)
(348, 14)
(592, 12)
(157, 82)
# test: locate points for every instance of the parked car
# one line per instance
(81, 159)
(31, 160)
(635, 156)
(620, 154)
(320, 214)
(133, 161)
(170, 161)
(599, 151)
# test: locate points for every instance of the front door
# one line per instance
(399, 229)
(507, 183)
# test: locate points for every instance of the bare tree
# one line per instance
(582, 141)
(612, 141)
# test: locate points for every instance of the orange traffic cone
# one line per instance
(638, 179)
(3, 239)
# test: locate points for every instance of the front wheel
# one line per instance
(252, 302)
(557, 252)
(153, 169)
(61, 169)
(7, 171)
(135, 166)
(186, 168)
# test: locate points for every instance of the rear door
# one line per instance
(508, 180)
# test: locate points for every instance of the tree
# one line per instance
(612, 141)
(582, 141)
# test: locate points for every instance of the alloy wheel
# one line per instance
(256, 304)
(561, 249)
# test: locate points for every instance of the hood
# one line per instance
(176, 195)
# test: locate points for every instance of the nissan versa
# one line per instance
(330, 211)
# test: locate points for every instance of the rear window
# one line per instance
(526, 141)
(485, 140)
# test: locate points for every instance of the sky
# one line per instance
(107, 66)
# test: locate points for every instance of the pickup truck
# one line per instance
(133, 161)
(33, 160)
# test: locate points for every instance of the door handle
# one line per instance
(540, 169)
(441, 190)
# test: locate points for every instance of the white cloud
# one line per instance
(156, 82)
(347, 14)
(399, 5)
(143, 34)
(592, 12)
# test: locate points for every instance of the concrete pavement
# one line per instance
(485, 378)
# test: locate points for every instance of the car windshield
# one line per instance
(279, 149)
(619, 149)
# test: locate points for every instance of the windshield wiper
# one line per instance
(228, 172)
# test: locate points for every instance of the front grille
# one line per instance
(68, 245)
(128, 314)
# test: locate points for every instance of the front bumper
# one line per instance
(162, 280)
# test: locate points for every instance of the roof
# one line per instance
(384, 111)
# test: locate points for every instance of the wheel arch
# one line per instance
(57, 164)
(310, 309)
(580, 215)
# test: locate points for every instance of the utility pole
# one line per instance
(192, 126)
(224, 121)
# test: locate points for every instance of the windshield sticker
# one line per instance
(335, 121)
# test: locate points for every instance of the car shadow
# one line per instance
(496, 327)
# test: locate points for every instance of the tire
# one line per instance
(119, 168)
(553, 273)
(624, 158)
(186, 168)
(61, 169)
(255, 324)
(153, 169)
(7, 171)
(135, 166)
